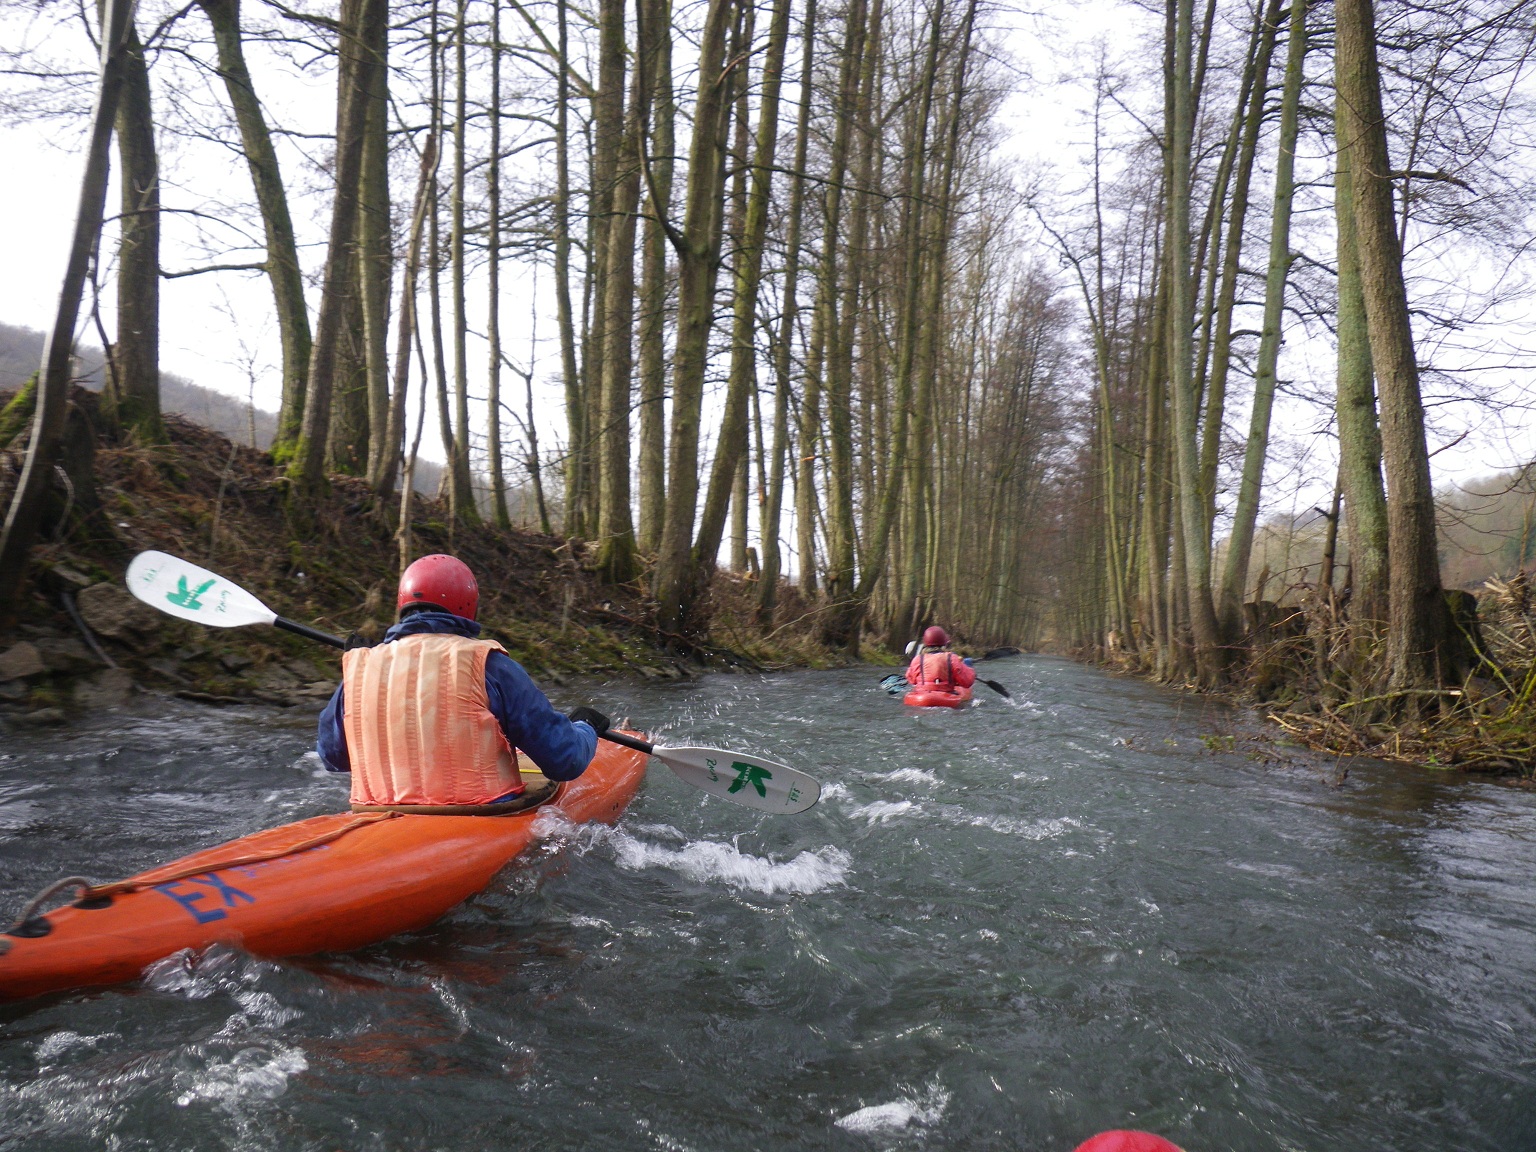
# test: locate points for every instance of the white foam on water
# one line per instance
(707, 862)
(912, 776)
(883, 811)
(551, 823)
(834, 791)
(1028, 829)
(62, 1043)
(263, 1008)
(251, 1074)
(193, 975)
(898, 1115)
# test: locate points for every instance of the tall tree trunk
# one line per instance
(307, 471)
(535, 466)
(409, 328)
(26, 510)
(656, 59)
(408, 474)
(133, 395)
(911, 411)
(1234, 577)
(608, 139)
(375, 251)
(698, 255)
(438, 86)
(740, 496)
(824, 317)
(493, 444)
(348, 438)
(842, 316)
(1417, 619)
(283, 269)
(1154, 531)
(1226, 299)
(1365, 499)
(576, 474)
(616, 556)
(1197, 544)
(730, 453)
(768, 587)
(461, 493)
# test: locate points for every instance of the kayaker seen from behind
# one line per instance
(433, 717)
(936, 668)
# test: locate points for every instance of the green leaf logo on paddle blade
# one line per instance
(750, 775)
(179, 588)
(186, 596)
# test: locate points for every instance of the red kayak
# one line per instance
(937, 696)
(327, 884)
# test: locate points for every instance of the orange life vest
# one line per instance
(943, 670)
(419, 724)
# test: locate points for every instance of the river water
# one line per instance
(1006, 928)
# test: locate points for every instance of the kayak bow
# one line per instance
(328, 884)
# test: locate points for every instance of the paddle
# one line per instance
(180, 588)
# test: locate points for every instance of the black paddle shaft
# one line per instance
(629, 742)
(308, 633)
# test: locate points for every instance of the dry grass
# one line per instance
(1487, 723)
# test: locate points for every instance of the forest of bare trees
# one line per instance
(813, 325)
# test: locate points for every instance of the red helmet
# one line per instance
(935, 637)
(1126, 1141)
(445, 581)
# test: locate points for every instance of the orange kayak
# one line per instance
(927, 696)
(327, 884)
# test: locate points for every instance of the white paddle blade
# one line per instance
(182, 589)
(749, 781)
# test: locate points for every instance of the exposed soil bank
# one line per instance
(78, 641)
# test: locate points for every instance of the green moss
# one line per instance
(45, 696)
(16, 415)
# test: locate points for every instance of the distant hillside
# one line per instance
(1487, 528)
(21, 351)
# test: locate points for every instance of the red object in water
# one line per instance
(1122, 1140)
(931, 696)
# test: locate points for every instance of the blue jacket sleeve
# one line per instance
(562, 748)
(331, 741)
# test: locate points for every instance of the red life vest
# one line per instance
(419, 725)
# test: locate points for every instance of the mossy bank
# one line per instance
(76, 642)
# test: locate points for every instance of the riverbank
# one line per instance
(79, 642)
(1296, 678)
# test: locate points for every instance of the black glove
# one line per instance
(592, 716)
(356, 641)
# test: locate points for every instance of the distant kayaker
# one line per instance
(433, 716)
(935, 667)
